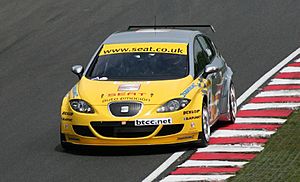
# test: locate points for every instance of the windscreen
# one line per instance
(140, 61)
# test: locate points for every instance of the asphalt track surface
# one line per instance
(41, 40)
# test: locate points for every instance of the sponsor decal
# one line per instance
(201, 83)
(155, 121)
(167, 48)
(67, 113)
(123, 96)
(187, 90)
(191, 111)
(129, 87)
(126, 98)
(191, 87)
(131, 82)
(118, 94)
(66, 119)
(191, 117)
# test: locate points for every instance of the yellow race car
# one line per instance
(149, 85)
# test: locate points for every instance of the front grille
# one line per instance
(117, 130)
(83, 131)
(125, 108)
(170, 129)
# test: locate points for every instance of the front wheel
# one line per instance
(205, 134)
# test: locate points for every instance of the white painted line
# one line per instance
(264, 78)
(232, 148)
(241, 99)
(278, 81)
(290, 69)
(297, 60)
(212, 163)
(277, 93)
(163, 167)
(270, 106)
(180, 178)
(260, 120)
(242, 133)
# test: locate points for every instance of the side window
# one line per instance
(200, 58)
(209, 51)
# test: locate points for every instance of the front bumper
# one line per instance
(103, 129)
(73, 137)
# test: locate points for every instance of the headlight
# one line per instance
(174, 105)
(81, 106)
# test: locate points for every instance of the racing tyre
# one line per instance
(232, 104)
(204, 136)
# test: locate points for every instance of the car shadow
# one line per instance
(125, 151)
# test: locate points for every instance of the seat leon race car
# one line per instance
(149, 86)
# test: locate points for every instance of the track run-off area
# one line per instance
(41, 40)
(233, 146)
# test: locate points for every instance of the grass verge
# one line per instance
(280, 160)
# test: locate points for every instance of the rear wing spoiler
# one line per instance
(133, 27)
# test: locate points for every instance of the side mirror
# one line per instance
(77, 70)
(209, 70)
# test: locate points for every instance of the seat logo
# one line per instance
(124, 109)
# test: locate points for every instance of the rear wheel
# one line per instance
(205, 134)
(232, 104)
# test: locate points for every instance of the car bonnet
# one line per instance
(98, 92)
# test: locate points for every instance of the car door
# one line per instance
(200, 61)
(216, 78)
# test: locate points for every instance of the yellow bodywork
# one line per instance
(152, 94)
